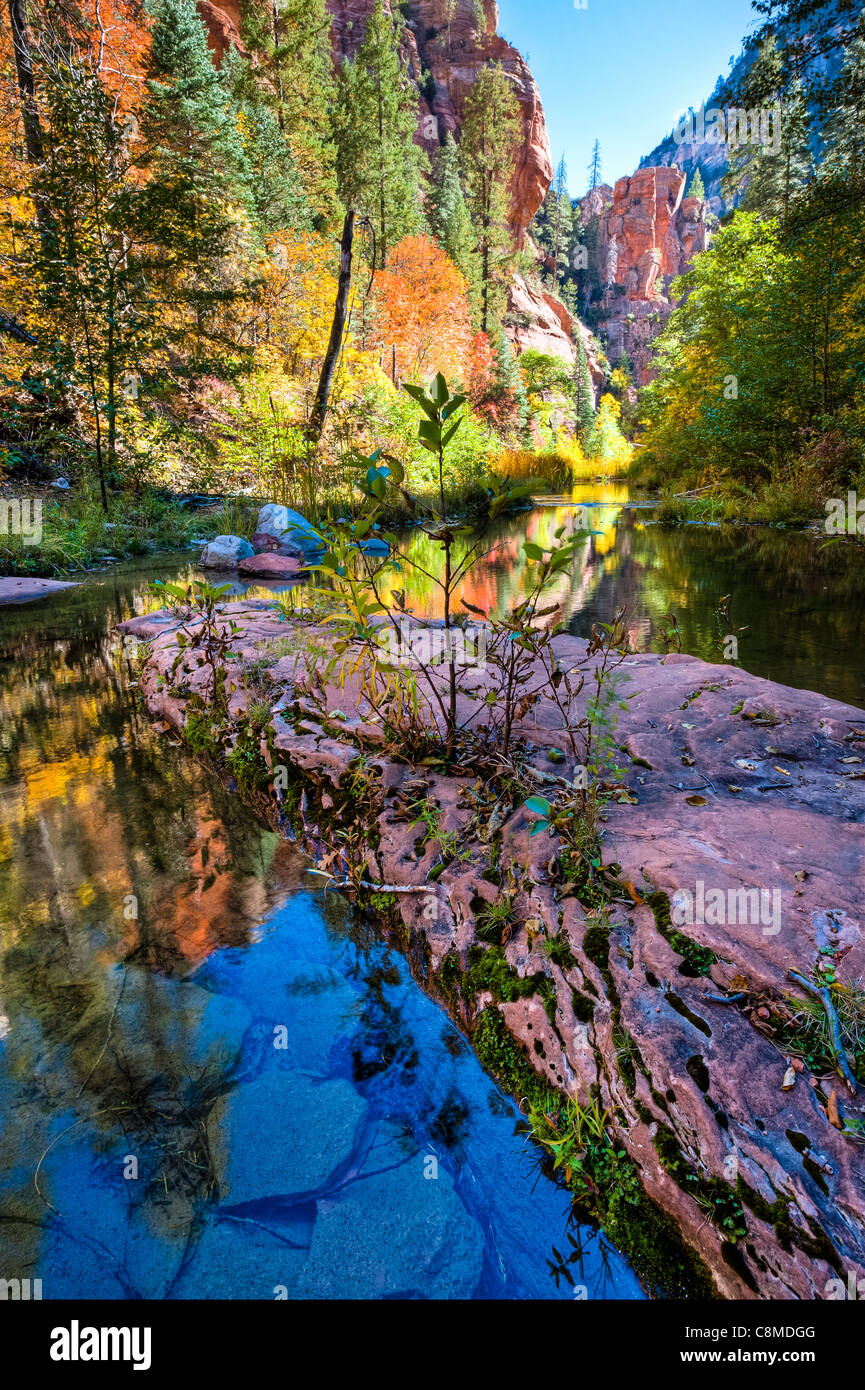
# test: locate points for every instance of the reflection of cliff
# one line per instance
(502, 576)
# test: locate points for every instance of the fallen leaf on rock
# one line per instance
(783, 771)
(851, 760)
(789, 1080)
(832, 1111)
(696, 800)
(631, 891)
(688, 761)
(801, 874)
(732, 788)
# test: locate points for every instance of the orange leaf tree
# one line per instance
(421, 309)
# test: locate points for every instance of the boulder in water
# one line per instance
(292, 532)
(270, 565)
(225, 553)
(286, 531)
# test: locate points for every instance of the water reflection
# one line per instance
(802, 608)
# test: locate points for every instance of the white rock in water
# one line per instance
(225, 553)
(297, 537)
(293, 532)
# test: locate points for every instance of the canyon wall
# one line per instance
(646, 233)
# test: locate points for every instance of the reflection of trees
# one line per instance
(94, 807)
(802, 608)
(500, 577)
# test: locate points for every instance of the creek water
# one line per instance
(215, 1079)
(798, 610)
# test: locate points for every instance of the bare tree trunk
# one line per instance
(33, 142)
(26, 85)
(337, 328)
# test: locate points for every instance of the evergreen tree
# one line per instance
(275, 193)
(491, 132)
(595, 176)
(509, 390)
(198, 193)
(379, 166)
(843, 132)
(555, 228)
(448, 214)
(584, 398)
(766, 177)
(696, 187)
(293, 37)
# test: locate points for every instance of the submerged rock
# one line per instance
(237, 1259)
(283, 1135)
(396, 1233)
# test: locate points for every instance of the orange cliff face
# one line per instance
(648, 234)
(452, 54)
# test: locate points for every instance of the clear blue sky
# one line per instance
(621, 70)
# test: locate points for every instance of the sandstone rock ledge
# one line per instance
(740, 784)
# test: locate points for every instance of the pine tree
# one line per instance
(584, 399)
(491, 132)
(766, 177)
(696, 187)
(448, 214)
(556, 227)
(595, 166)
(294, 38)
(198, 194)
(509, 392)
(275, 192)
(843, 132)
(379, 166)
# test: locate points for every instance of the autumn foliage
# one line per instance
(421, 309)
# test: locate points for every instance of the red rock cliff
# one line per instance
(444, 60)
(647, 235)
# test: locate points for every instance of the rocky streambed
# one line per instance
(652, 983)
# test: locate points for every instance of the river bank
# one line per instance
(654, 1058)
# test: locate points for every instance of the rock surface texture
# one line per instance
(741, 792)
(225, 553)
